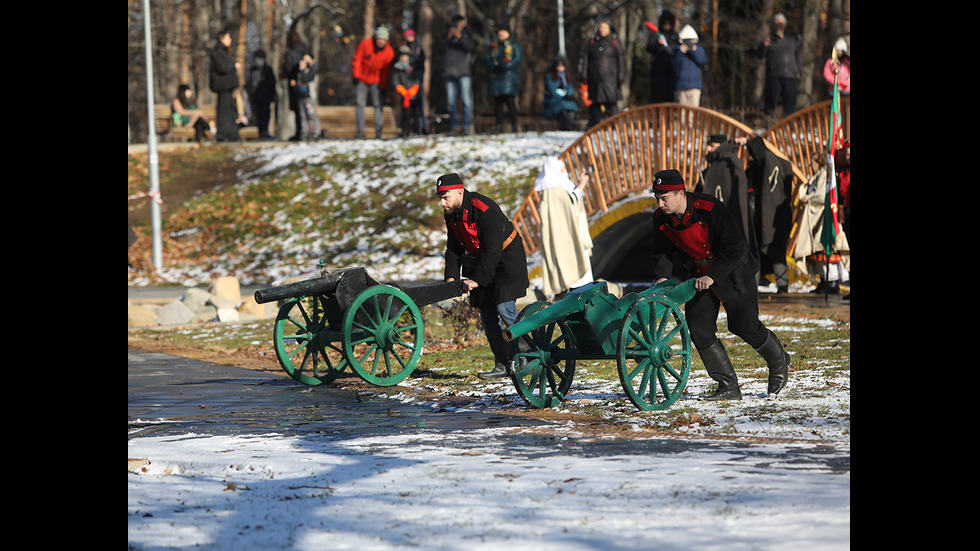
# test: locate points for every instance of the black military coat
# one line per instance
(731, 265)
(476, 233)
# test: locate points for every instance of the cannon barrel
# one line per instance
(574, 302)
(431, 293)
(316, 286)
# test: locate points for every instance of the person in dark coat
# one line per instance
(224, 81)
(724, 178)
(260, 83)
(771, 179)
(503, 58)
(289, 71)
(417, 59)
(484, 246)
(457, 47)
(697, 236)
(660, 45)
(407, 82)
(559, 95)
(782, 54)
(604, 67)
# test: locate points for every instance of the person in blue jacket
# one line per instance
(559, 95)
(688, 59)
(503, 58)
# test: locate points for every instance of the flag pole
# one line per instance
(831, 173)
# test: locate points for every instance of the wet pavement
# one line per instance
(174, 395)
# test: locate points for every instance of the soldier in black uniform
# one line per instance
(484, 246)
(695, 235)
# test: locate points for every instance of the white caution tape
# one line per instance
(155, 195)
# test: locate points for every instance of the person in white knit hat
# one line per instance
(688, 59)
(839, 64)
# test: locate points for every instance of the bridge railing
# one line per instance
(802, 136)
(622, 153)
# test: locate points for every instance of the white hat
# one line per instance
(688, 33)
(841, 45)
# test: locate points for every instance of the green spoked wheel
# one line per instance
(654, 353)
(307, 349)
(383, 334)
(543, 371)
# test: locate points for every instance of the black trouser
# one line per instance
(225, 114)
(498, 110)
(781, 87)
(597, 113)
(566, 120)
(262, 111)
(743, 316)
(412, 118)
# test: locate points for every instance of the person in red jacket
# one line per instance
(484, 246)
(370, 68)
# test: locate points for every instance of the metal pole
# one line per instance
(561, 27)
(151, 145)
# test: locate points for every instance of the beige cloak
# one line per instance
(811, 224)
(566, 243)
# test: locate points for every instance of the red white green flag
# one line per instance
(831, 225)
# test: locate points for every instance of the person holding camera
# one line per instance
(688, 60)
(458, 46)
(781, 52)
(503, 58)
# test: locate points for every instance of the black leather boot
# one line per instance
(499, 371)
(719, 367)
(777, 359)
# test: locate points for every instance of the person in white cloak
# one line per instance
(566, 244)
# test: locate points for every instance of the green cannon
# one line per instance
(347, 319)
(645, 333)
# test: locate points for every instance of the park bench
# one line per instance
(484, 124)
(340, 121)
(166, 131)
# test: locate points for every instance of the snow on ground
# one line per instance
(482, 160)
(484, 489)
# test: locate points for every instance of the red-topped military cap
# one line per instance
(668, 180)
(447, 182)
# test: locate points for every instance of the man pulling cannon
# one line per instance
(483, 245)
(695, 235)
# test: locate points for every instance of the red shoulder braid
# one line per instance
(704, 205)
(479, 204)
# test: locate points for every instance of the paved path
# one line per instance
(174, 395)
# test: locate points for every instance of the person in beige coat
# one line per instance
(808, 246)
(566, 244)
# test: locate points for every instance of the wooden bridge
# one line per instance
(622, 153)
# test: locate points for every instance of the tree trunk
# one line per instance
(811, 59)
(368, 18)
(765, 22)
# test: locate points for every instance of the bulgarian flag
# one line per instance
(835, 140)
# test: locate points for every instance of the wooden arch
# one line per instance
(622, 153)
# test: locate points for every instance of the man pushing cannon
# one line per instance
(483, 246)
(695, 235)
